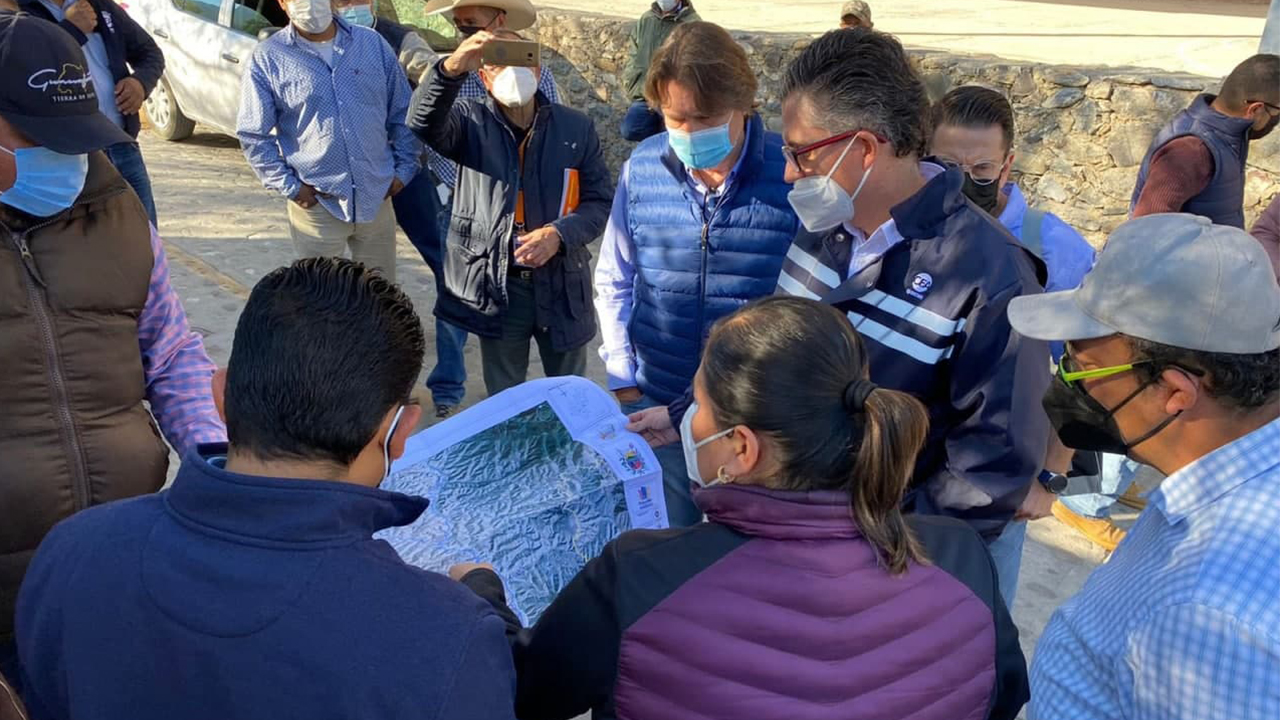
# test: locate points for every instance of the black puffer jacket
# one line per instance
(477, 253)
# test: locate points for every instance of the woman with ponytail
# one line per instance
(806, 594)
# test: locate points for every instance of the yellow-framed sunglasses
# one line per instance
(1070, 377)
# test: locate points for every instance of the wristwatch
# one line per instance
(1052, 481)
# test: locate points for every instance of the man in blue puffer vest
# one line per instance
(700, 226)
(1196, 162)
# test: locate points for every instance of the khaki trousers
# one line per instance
(317, 233)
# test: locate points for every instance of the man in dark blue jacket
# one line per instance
(923, 274)
(253, 587)
(125, 64)
(533, 192)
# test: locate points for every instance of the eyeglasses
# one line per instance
(793, 155)
(1072, 377)
(473, 29)
(1267, 104)
(983, 173)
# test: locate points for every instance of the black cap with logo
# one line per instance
(46, 91)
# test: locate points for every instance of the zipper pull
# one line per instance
(28, 260)
(706, 227)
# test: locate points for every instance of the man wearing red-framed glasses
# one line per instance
(923, 273)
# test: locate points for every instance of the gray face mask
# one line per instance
(691, 446)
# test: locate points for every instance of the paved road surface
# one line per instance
(1206, 37)
(223, 231)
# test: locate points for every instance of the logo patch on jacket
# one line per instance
(920, 285)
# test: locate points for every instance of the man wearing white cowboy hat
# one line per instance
(472, 16)
(449, 377)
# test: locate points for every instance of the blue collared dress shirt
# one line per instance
(1183, 623)
(340, 129)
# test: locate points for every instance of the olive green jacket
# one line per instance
(647, 36)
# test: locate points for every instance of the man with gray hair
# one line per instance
(1175, 364)
(923, 273)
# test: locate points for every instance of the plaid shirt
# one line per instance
(1184, 621)
(473, 88)
(175, 365)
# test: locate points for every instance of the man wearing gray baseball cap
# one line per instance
(1173, 358)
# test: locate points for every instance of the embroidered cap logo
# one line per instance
(71, 84)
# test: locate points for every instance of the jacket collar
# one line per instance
(779, 514)
(921, 216)
(542, 106)
(1233, 127)
(281, 511)
(924, 214)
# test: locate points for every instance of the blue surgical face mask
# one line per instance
(47, 182)
(361, 15)
(702, 149)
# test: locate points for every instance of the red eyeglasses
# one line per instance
(793, 155)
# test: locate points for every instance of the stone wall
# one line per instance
(1082, 131)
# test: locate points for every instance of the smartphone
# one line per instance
(512, 53)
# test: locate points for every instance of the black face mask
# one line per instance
(984, 196)
(1266, 129)
(1082, 423)
(469, 30)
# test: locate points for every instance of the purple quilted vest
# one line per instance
(802, 623)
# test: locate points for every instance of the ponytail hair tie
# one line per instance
(856, 394)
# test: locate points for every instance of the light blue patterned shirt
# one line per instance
(341, 129)
(447, 170)
(1068, 257)
(1183, 623)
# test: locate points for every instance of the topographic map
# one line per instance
(534, 480)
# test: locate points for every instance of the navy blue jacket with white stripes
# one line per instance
(932, 314)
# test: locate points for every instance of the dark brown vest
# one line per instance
(73, 429)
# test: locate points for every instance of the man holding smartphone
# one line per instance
(534, 191)
(448, 379)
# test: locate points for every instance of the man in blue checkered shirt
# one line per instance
(1173, 358)
(322, 122)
